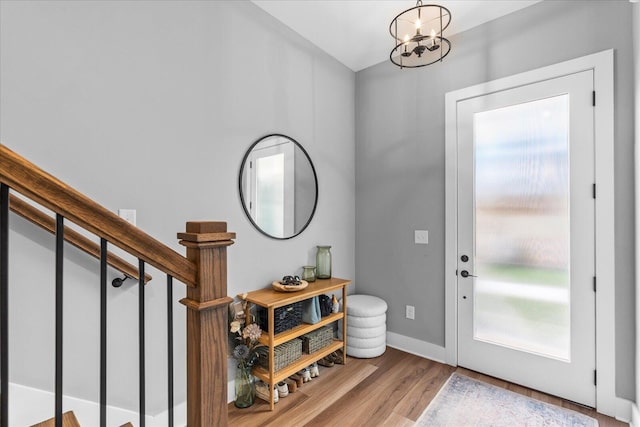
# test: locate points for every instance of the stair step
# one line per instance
(68, 420)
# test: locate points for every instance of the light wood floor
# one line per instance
(391, 390)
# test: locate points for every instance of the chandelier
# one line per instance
(418, 36)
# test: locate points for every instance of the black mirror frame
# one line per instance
(241, 192)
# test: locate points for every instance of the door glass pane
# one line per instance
(521, 294)
(270, 194)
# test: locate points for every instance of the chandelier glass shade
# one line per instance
(419, 36)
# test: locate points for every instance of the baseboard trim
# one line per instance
(417, 347)
(28, 406)
(635, 415)
(179, 416)
(231, 379)
(231, 391)
(623, 409)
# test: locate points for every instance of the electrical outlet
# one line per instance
(411, 312)
(128, 215)
(421, 237)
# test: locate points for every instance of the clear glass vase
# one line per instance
(245, 387)
(323, 262)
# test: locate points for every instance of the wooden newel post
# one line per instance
(207, 306)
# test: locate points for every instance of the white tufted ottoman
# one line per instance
(366, 326)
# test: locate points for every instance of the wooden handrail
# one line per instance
(203, 270)
(41, 187)
(41, 219)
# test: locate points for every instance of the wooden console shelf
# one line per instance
(271, 300)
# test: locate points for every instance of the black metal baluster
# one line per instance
(59, 329)
(4, 305)
(141, 337)
(170, 348)
(103, 333)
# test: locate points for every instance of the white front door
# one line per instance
(526, 261)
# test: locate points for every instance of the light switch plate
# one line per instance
(421, 237)
(128, 215)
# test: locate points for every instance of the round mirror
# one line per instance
(278, 186)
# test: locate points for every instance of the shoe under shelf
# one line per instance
(303, 362)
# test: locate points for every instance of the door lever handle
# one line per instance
(465, 273)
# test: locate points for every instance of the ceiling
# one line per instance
(356, 32)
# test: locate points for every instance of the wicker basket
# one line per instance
(284, 355)
(317, 340)
(284, 318)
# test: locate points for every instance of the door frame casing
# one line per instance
(602, 65)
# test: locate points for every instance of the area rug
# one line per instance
(465, 402)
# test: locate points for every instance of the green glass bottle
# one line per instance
(323, 262)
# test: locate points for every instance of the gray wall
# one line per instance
(636, 60)
(400, 157)
(151, 106)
